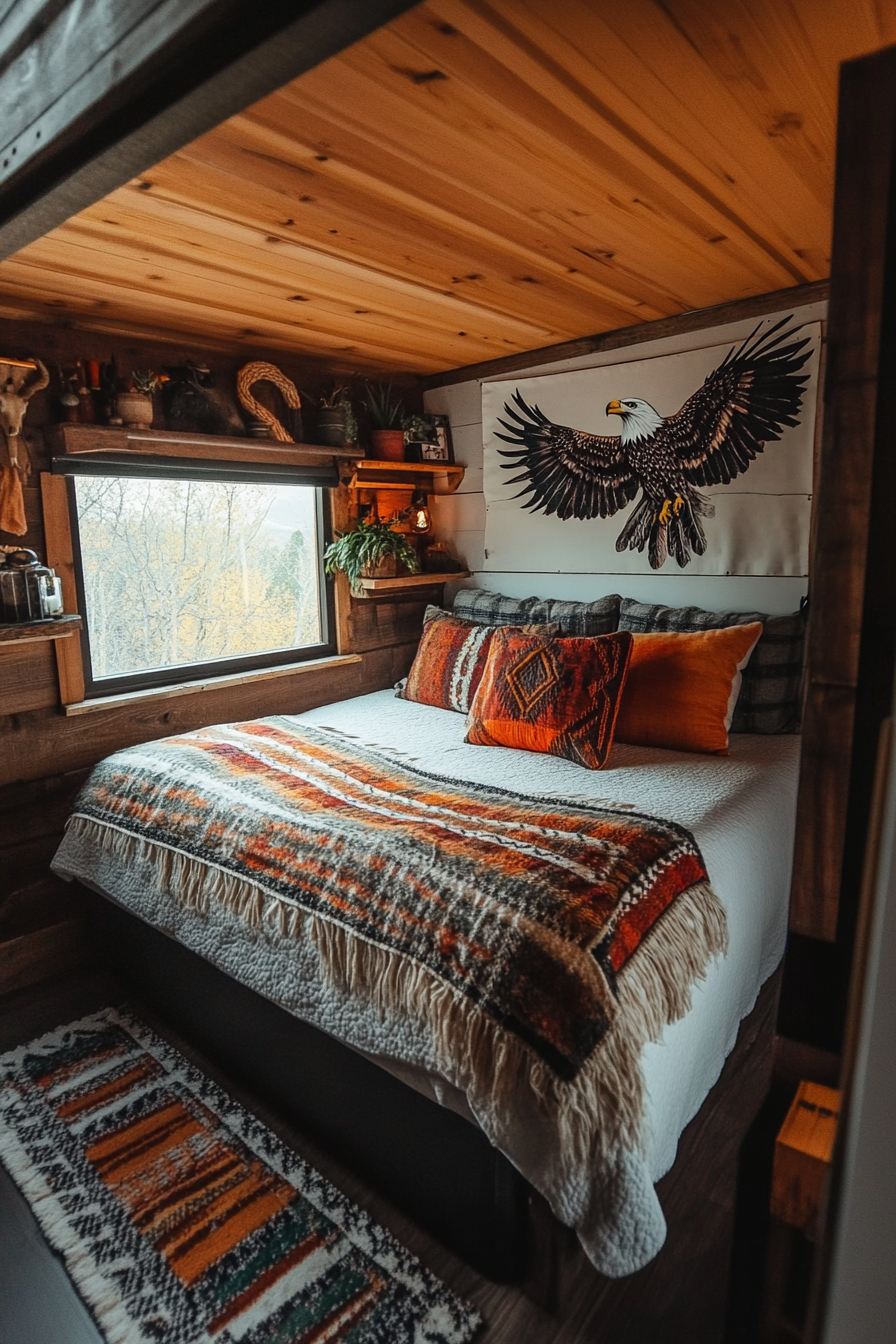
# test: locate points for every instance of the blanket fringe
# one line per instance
(598, 1111)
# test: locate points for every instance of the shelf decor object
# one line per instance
(387, 415)
(372, 550)
(260, 371)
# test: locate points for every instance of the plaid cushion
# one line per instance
(584, 619)
(771, 691)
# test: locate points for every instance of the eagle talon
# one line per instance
(665, 512)
(678, 505)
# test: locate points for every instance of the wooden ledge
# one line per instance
(28, 632)
(433, 478)
(405, 581)
(87, 440)
(208, 684)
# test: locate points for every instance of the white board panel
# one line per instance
(775, 596)
(516, 541)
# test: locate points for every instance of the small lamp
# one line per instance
(421, 520)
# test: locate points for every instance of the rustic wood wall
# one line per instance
(44, 754)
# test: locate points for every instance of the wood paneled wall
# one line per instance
(44, 754)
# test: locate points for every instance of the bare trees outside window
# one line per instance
(181, 572)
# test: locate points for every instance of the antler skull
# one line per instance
(18, 384)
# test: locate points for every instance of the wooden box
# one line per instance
(803, 1152)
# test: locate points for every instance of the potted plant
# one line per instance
(336, 423)
(373, 550)
(418, 430)
(386, 419)
(134, 405)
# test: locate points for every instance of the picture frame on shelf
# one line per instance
(440, 451)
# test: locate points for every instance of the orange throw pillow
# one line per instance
(558, 696)
(682, 688)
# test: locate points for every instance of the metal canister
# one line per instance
(29, 591)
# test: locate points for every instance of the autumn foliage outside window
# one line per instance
(179, 573)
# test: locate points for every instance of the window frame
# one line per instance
(240, 665)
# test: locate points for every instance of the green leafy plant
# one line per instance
(356, 552)
(147, 381)
(338, 396)
(386, 409)
(419, 429)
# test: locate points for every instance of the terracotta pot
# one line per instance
(388, 444)
(135, 409)
(387, 568)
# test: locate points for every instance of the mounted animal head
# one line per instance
(18, 383)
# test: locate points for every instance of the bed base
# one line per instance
(443, 1171)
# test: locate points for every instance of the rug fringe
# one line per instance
(595, 1114)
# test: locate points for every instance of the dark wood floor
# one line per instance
(679, 1297)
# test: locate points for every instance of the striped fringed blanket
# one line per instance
(536, 939)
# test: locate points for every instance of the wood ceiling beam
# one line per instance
(797, 296)
(104, 90)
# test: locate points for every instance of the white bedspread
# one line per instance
(741, 810)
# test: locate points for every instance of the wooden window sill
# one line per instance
(208, 684)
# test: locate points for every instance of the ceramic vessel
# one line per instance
(135, 409)
(331, 426)
(388, 444)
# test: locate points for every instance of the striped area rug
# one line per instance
(181, 1218)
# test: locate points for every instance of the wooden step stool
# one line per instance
(803, 1152)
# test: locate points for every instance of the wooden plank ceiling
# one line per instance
(477, 179)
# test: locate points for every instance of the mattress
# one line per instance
(741, 811)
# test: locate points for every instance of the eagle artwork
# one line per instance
(743, 405)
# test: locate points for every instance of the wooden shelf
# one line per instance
(411, 581)
(88, 439)
(27, 632)
(434, 478)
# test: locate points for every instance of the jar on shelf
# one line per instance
(29, 591)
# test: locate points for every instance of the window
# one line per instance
(180, 578)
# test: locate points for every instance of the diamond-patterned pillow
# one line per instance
(558, 696)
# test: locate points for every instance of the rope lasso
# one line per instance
(261, 372)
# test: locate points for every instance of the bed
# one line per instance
(740, 810)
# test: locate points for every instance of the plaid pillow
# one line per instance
(771, 690)
(584, 619)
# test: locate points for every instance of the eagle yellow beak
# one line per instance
(615, 408)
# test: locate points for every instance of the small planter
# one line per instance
(331, 426)
(135, 409)
(388, 444)
(387, 568)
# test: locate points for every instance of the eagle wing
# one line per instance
(566, 471)
(742, 405)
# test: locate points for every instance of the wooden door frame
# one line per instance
(851, 644)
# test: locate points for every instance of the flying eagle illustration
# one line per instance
(743, 405)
